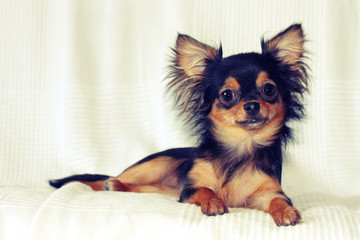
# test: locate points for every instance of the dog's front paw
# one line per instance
(213, 206)
(284, 214)
(287, 216)
(204, 197)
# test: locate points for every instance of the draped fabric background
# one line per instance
(82, 90)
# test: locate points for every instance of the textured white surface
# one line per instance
(81, 91)
(77, 212)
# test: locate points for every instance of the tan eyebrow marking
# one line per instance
(232, 83)
(262, 78)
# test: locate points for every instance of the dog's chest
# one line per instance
(242, 188)
(238, 191)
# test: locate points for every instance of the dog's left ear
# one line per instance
(287, 46)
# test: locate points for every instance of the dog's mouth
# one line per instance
(253, 123)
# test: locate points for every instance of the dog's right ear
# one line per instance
(188, 74)
(193, 56)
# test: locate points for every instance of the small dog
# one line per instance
(238, 107)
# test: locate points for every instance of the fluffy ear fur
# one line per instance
(287, 48)
(188, 74)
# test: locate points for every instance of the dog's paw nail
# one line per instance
(213, 207)
(287, 216)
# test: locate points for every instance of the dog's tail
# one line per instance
(95, 181)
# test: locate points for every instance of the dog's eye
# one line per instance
(228, 97)
(269, 90)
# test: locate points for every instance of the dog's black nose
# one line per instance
(252, 108)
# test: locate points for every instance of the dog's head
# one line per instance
(245, 97)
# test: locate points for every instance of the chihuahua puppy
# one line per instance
(238, 107)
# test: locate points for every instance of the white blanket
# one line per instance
(77, 212)
(81, 91)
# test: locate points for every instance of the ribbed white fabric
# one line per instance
(81, 90)
(77, 212)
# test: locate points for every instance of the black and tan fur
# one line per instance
(238, 107)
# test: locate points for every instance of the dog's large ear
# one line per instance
(287, 48)
(193, 56)
(188, 72)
